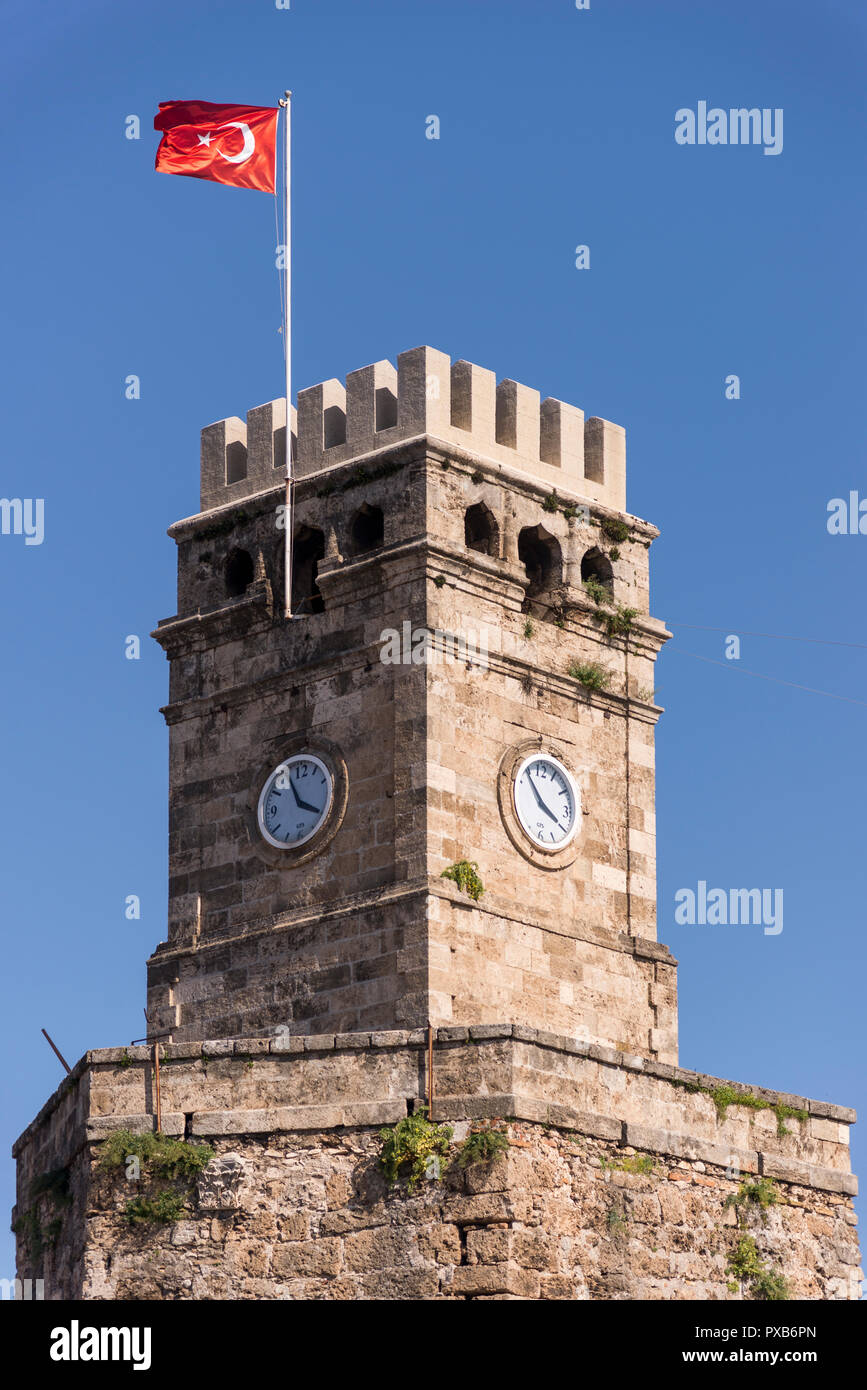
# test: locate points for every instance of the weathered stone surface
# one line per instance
(294, 1204)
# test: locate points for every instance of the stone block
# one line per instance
(302, 1259)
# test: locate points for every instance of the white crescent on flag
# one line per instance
(249, 143)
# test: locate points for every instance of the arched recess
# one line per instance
(542, 558)
(366, 530)
(596, 566)
(308, 548)
(480, 530)
(239, 572)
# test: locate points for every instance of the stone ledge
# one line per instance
(808, 1174)
(120, 1055)
(447, 1038)
(167, 953)
(291, 1118)
(100, 1126)
(361, 1114)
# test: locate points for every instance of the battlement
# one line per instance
(454, 403)
(240, 459)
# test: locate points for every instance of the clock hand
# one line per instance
(546, 809)
(302, 805)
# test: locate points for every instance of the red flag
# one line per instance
(229, 144)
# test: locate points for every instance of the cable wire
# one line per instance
(776, 679)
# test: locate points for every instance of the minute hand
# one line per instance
(546, 809)
(302, 805)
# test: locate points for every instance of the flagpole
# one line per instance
(286, 103)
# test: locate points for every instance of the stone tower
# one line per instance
(462, 516)
(466, 689)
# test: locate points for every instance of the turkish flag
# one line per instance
(229, 144)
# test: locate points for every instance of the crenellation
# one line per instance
(518, 418)
(430, 396)
(371, 403)
(474, 400)
(266, 441)
(241, 458)
(605, 455)
(561, 438)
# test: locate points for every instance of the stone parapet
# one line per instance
(333, 1081)
(426, 396)
(618, 1182)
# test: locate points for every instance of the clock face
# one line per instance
(295, 801)
(547, 801)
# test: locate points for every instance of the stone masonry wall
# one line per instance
(382, 959)
(614, 1185)
(422, 748)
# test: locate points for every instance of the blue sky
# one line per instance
(557, 129)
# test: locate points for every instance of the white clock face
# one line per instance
(295, 801)
(547, 801)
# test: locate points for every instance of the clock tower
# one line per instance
(426, 799)
(428, 795)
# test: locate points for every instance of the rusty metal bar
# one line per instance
(430, 1072)
(157, 1084)
(56, 1052)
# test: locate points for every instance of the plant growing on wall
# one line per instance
(749, 1273)
(39, 1223)
(617, 531)
(590, 675)
(165, 1161)
(466, 875)
(483, 1146)
(157, 1153)
(633, 1163)
(599, 593)
(619, 623)
(756, 1194)
(166, 1206)
(413, 1149)
(724, 1095)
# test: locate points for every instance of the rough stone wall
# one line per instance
(310, 1216)
(614, 1186)
(244, 685)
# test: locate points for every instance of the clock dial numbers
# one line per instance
(295, 801)
(546, 801)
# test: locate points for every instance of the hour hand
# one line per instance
(302, 805)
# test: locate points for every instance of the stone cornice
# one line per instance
(407, 450)
(432, 886)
